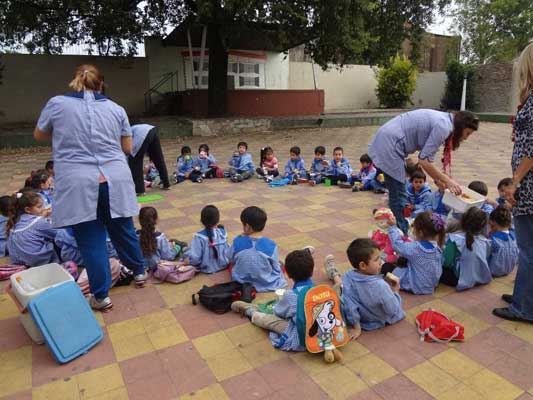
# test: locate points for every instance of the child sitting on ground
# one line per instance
(205, 163)
(482, 189)
(69, 249)
(319, 166)
(241, 164)
(424, 255)
(49, 167)
(418, 194)
(255, 258)
(369, 301)
(339, 169)
(185, 169)
(295, 167)
(30, 236)
(503, 185)
(268, 166)
(154, 245)
(465, 257)
(366, 178)
(437, 206)
(41, 182)
(209, 251)
(282, 323)
(504, 250)
(5, 204)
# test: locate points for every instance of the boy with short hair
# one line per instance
(241, 164)
(418, 194)
(295, 167)
(504, 249)
(185, 169)
(366, 178)
(370, 302)
(504, 184)
(482, 188)
(339, 169)
(319, 166)
(255, 258)
(299, 265)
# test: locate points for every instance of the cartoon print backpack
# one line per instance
(320, 322)
(433, 326)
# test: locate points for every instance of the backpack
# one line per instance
(174, 272)
(218, 298)
(433, 326)
(319, 319)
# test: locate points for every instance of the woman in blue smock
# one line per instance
(424, 131)
(94, 189)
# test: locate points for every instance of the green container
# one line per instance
(327, 182)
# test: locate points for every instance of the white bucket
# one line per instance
(460, 203)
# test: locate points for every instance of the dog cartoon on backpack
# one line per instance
(325, 322)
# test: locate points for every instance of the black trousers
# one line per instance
(152, 147)
(448, 277)
(336, 179)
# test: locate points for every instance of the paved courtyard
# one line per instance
(157, 345)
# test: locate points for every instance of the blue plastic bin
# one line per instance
(66, 321)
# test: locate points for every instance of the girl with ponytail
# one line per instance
(466, 253)
(30, 236)
(154, 245)
(210, 249)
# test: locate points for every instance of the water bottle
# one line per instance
(27, 286)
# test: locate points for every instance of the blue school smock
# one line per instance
(366, 176)
(242, 162)
(86, 130)
(164, 251)
(472, 264)
(201, 252)
(369, 301)
(31, 241)
(287, 308)
(317, 167)
(139, 133)
(424, 263)
(3, 235)
(504, 253)
(184, 166)
(421, 201)
(204, 163)
(419, 130)
(69, 247)
(47, 197)
(342, 168)
(256, 261)
(437, 206)
(291, 165)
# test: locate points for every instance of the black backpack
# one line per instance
(218, 298)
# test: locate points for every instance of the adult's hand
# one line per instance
(428, 166)
(454, 187)
(509, 193)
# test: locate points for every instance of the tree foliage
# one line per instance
(493, 30)
(396, 83)
(455, 74)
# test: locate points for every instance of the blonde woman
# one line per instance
(94, 190)
(520, 196)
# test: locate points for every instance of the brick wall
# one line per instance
(493, 88)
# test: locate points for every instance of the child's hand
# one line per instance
(325, 163)
(392, 220)
(354, 332)
(410, 206)
(295, 170)
(393, 281)
(186, 260)
(187, 174)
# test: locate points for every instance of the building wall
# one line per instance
(30, 80)
(354, 87)
(494, 90)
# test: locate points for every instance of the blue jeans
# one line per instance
(91, 239)
(397, 201)
(522, 305)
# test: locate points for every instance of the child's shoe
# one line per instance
(243, 308)
(140, 279)
(331, 268)
(269, 178)
(310, 249)
(355, 188)
(380, 191)
(312, 182)
(344, 185)
(294, 181)
(199, 179)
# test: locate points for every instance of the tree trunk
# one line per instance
(218, 73)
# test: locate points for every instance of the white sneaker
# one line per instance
(331, 268)
(103, 305)
(310, 249)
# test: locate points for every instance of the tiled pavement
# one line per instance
(158, 346)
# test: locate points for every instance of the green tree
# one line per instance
(493, 30)
(336, 31)
(455, 74)
(396, 83)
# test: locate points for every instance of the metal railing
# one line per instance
(155, 89)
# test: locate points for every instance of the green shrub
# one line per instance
(396, 83)
(455, 72)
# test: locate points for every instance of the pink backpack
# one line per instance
(174, 272)
(9, 269)
(433, 326)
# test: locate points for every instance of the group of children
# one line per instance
(336, 171)
(458, 250)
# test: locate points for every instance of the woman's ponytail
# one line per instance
(87, 77)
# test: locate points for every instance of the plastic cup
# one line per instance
(327, 182)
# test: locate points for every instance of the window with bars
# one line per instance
(241, 75)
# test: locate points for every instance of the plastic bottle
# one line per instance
(27, 286)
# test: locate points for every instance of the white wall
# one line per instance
(354, 86)
(277, 70)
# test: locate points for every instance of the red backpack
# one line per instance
(433, 326)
